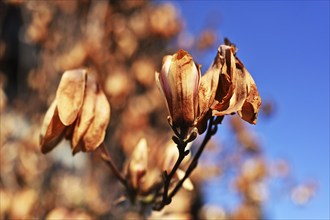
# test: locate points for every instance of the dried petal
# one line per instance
(87, 112)
(207, 91)
(96, 131)
(70, 95)
(52, 130)
(209, 84)
(230, 94)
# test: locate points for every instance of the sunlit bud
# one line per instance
(179, 83)
(138, 164)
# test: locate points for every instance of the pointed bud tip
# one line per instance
(181, 53)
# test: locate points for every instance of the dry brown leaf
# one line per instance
(70, 95)
(52, 130)
(96, 131)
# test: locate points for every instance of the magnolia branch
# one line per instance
(167, 198)
(181, 145)
(108, 160)
(211, 130)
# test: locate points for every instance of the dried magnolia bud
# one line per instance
(80, 112)
(236, 91)
(179, 83)
(226, 87)
(138, 164)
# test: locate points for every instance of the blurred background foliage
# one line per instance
(123, 42)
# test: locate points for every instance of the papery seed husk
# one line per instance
(96, 131)
(52, 130)
(70, 95)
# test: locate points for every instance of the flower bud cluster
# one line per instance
(227, 87)
(80, 112)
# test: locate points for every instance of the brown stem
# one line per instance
(211, 130)
(106, 158)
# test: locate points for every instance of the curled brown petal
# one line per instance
(70, 95)
(252, 103)
(96, 131)
(52, 130)
(227, 81)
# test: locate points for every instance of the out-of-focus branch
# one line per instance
(108, 160)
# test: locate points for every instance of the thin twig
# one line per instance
(106, 158)
(167, 198)
(168, 177)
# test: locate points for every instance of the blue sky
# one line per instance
(285, 46)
